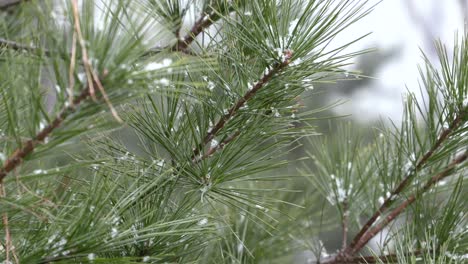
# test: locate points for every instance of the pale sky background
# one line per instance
(394, 25)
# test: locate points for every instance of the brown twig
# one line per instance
(28, 147)
(241, 102)
(90, 73)
(214, 149)
(9, 44)
(389, 200)
(84, 51)
(344, 224)
(71, 71)
(7, 4)
(200, 25)
(9, 247)
(389, 258)
(398, 210)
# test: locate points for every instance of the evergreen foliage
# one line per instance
(162, 131)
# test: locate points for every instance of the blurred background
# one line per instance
(400, 29)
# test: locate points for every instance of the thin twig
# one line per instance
(216, 148)
(398, 210)
(9, 44)
(5, 226)
(10, 3)
(200, 25)
(84, 51)
(71, 72)
(344, 224)
(389, 258)
(90, 73)
(9, 247)
(389, 200)
(106, 99)
(241, 102)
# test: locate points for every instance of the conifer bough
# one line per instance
(28, 146)
(213, 121)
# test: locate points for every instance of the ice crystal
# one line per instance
(381, 200)
(203, 222)
(164, 81)
(38, 171)
(292, 26)
(114, 232)
(156, 66)
(211, 85)
(214, 143)
(240, 248)
(339, 193)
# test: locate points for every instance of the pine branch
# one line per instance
(397, 211)
(182, 44)
(9, 44)
(241, 102)
(346, 256)
(389, 258)
(344, 224)
(8, 243)
(200, 25)
(28, 147)
(219, 146)
(6, 4)
(389, 200)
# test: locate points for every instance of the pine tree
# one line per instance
(162, 131)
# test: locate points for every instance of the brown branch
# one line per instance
(200, 25)
(71, 70)
(241, 102)
(389, 200)
(9, 44)
(28, 147)
(389, 258)
(9, 247)
(182, 44)
(397, 211)
(7, 4)
(214, 149)
(344, 224)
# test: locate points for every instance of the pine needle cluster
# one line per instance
(162, 131)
